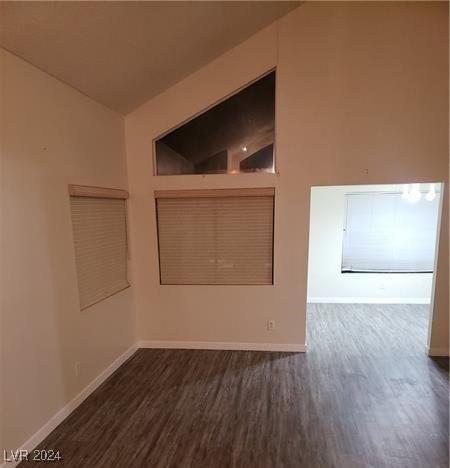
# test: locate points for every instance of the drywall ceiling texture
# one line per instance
(123, 53)
(51, 136)
(362, 98)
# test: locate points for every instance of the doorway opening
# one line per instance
(371, 264)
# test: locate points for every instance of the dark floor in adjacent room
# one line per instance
(364, 395)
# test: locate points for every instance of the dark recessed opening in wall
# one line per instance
(235, 135)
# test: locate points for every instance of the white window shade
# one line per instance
(216, 239)
(385, 233)
(100, 237)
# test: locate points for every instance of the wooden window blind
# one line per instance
(216, 236)
(100, 237)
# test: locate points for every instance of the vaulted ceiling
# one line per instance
(123, 53)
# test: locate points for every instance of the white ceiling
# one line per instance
(123, 53)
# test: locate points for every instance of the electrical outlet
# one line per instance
(77, 369)
(270, 325)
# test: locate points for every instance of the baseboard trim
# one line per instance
(281, 347)
(438, 352)
(62, 414)
(368, 300)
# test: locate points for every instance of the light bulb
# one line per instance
(431, 195)
(244, 149)
(414, 195)
(405, 194)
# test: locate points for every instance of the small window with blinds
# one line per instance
(100, 237)
(221, 237)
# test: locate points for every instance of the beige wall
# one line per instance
(51, 136)
(362, 98)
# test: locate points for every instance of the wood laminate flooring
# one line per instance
(364, 395)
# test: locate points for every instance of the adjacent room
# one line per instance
(224, 234)
(372, 257)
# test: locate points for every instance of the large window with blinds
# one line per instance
(222, 237)
(100, 238)
(387, 233)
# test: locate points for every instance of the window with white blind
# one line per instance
(216, 236)
(385, 233)
(100, 237)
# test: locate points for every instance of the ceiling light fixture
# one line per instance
(405, 194)
(431, 195)
(414, 194)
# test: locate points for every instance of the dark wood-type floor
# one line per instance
(365, 395)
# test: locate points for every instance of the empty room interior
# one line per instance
(372, 256)
(224, 234)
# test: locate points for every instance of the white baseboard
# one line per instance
(284, 347)
(368, 300)
(62, 414)
(438, 352)
(56, 419)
